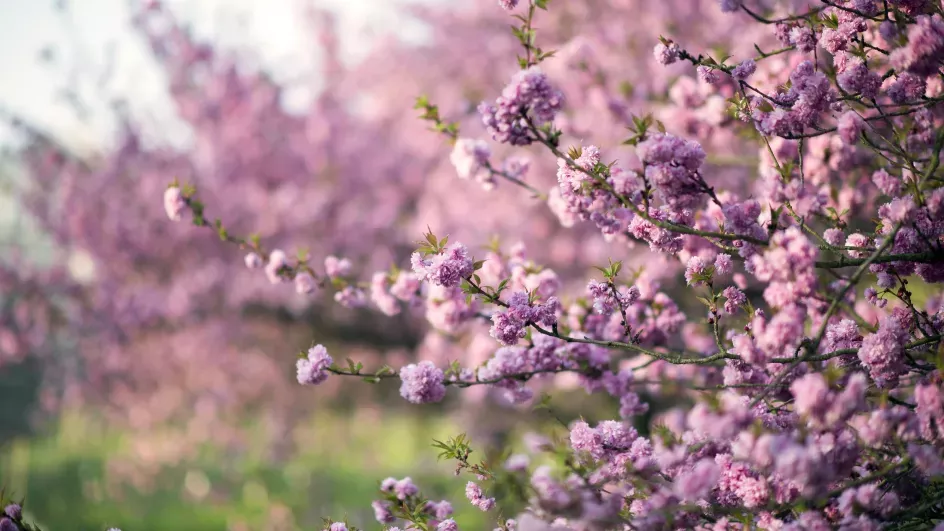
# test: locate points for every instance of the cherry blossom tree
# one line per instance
(742, 250)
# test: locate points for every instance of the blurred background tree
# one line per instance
(146, 375)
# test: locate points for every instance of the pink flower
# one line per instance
(475, 495)
(304, 283)
(666, 54)
(446, 269)
(174, 203)
(723, 264)
(253, 261)
(744, 70)
(312, 370)
(850, 127)
(273, 269)
(470, 157)
(337, 267)
(422, 383)
(696, 483)
(697, 272)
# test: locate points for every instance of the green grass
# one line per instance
(334, 473)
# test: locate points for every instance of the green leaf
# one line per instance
(543, 403)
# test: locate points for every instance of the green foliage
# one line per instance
(458, 449)
(527, 36)
(431, 245)
(705, 277)
(740, 106)
(454, 448)
(62, 478)
(612, 271)
(384, 371)
(431, 114)
(489, 293)
(641, 127)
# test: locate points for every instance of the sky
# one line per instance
(88, 38)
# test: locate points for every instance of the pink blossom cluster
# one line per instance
(527, 102)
